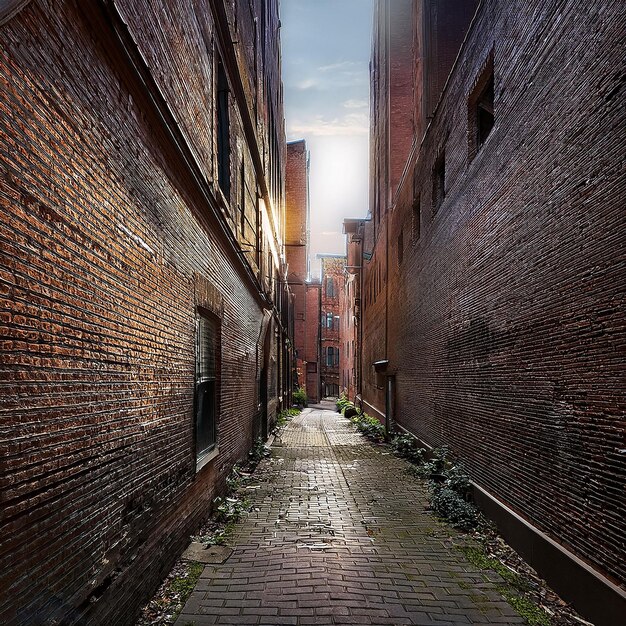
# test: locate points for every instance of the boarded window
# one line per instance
(481, 115)
(439, 181)
(223, 131)
(206, 383)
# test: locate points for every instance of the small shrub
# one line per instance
(369, 426)
(233, 480)
(299, 397)
(258, 452)
(458, 480)
(451, 506)
(436, 466)
(229, 510)
(406, 447)
(342, 403)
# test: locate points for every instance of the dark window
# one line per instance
(206, 384)
(417, 218)
(336, 357)
(330, 357)
(481, 109)
(223, 132)
(330, 288)
(439, 181)
(400, 247)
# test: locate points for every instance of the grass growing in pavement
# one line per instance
(514, 588)
(184, 585)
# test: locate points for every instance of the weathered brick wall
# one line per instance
(312, 346)
(106, 250)
(296, 244)
(507, 314)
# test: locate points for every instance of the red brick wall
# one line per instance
(296, 244)
(506, 316)
(333, 268)
(312, 347)
(107, 247)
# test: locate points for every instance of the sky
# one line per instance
(325, 61)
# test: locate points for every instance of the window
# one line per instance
(330, 288)
(416, 218)
(336, 322)
(330, 357)
(329, 320)
(336, 357)
(223, 131)
(400, 247)
(207, 356)
(439, 181)
(481, 110)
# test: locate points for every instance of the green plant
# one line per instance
(406, 447)
(258, 452)
(230, 509)
(233, 481)
(458, 480)
(369, 426)
(284, 416)
(454, 508)
(299, 397)
(437, 464)
(185, 584)
(342, 402)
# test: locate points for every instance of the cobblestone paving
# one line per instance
(339, 535)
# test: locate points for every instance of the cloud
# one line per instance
(308, 83)
(355, 104)
(351, 124)
(341, 65)
(330, 233)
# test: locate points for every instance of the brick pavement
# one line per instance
(332, 540)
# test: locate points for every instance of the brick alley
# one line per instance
(332, 540)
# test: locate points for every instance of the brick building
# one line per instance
(332, 285)
(143, 303)
(493, 278)
(350, 311)
(297, 248)
(313, 348)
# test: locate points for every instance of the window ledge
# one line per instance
(208, 457)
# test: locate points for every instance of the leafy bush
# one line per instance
(406, 447)
(258, 452)
(369, 426)
(342, 402)
(230, 509)
(299, 397)
(285, 416)
(436, 466)
(454, 508)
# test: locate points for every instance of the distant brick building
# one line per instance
(313, 348)
(332, 284)
(144, 311)
(493, 283)
(297, 247)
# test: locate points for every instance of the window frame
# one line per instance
(206, 380)
(484, 83)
